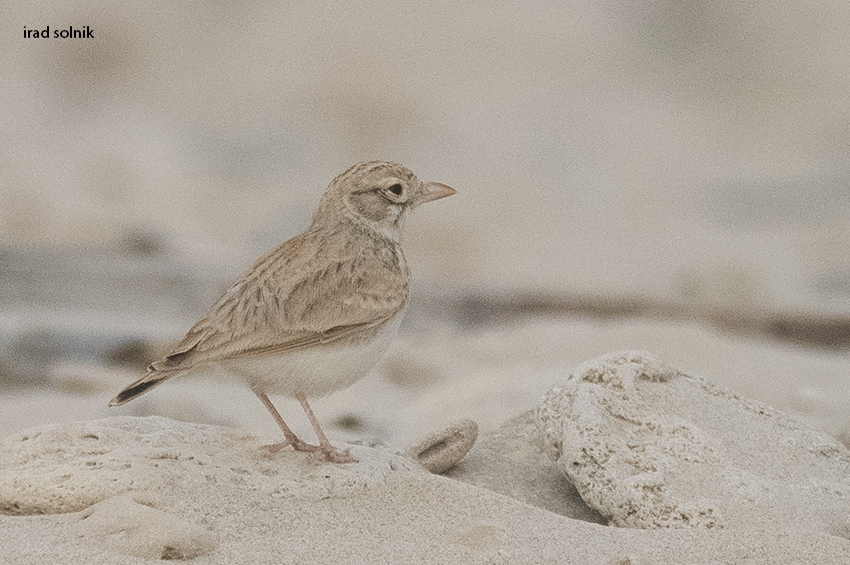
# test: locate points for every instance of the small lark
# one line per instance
(315, 314)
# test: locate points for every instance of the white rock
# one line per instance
(65, 468)
(650, 447)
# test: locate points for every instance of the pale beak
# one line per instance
(430, 191)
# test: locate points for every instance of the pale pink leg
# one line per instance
(291, 438)
(328, 451)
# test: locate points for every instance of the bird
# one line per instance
(313, 315)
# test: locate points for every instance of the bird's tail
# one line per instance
(141, 386)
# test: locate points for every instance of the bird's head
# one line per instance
(377, 194)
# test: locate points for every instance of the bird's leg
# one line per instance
(328, 451)
(291, 438)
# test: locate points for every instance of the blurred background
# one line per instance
(683, 162)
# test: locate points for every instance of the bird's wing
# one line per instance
(286, 301)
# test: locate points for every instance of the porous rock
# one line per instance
(651, 447)
(56, 469)
(511, 460)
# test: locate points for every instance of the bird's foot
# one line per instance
(296, 444)
(318, 453)
(331, 454)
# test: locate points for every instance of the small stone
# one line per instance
(440, 451)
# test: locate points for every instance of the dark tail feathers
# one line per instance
(139, 387)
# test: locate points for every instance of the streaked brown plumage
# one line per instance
(315, 313)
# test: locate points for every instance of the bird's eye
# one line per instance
(396, 189)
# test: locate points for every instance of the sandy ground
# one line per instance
(154, 485)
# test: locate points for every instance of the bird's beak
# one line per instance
(429, 191)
